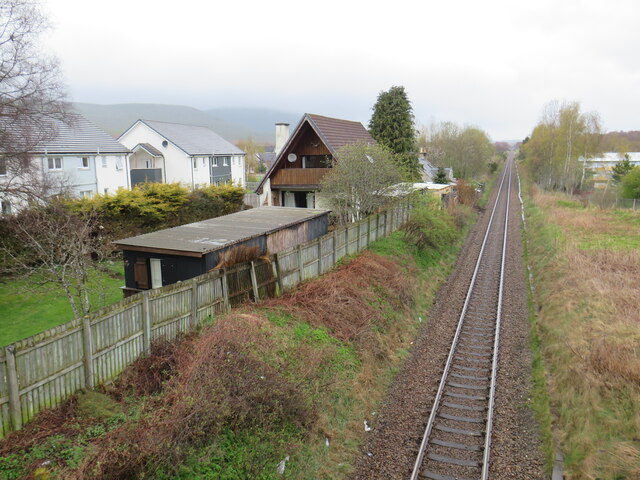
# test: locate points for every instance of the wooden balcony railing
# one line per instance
(298, 176)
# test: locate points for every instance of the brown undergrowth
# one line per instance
(247, 372)
(589, 326)
(347, 301)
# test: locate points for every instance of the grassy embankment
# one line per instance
(28, 309)
(293, 377)
(585, 265)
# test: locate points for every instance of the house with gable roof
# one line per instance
(75, 154)
(304, 157)
(189, 154)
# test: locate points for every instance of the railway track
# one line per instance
(457, 439)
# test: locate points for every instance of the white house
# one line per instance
(78, 154)
(602, 166)
(189, 154)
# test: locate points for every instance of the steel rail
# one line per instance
(494, 366)
(425, 439)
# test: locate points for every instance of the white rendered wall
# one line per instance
(264, 199)
(238, 170)
(178, 166)
(201, 173)
(112, 172)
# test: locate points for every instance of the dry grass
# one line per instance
(239, 254)
(589, 325)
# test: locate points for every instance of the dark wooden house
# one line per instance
(294, 178)
(176, 254)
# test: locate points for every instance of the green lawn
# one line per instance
(28, 309)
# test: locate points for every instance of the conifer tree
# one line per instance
(392, 126)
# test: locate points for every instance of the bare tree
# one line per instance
(50, 245)
(361, 181)
(32, 99)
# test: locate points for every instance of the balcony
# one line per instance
(142, 175)
(290, 177)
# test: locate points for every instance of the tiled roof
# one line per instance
(337, 133)
(334, 132)
(75, 135)
(194, 139)
(150, 149)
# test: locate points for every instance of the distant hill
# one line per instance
(621, 142)
(232, 124)
(260, 121)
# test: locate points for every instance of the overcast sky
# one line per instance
(492, 63)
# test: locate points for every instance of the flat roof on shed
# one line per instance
(196, 239)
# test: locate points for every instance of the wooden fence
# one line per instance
(43, 370)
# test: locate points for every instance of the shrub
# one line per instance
(630, 186)
(430, 226)
(467, 194)
(152, 206)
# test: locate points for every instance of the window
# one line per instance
(6, 207)
(225, 161)
(104, 161)
(3, 166)
(54, 163)
(84, 163)
(86, 194)
(118, 163)
(106, 191)
(316, 161)
(214, 161)
(195, 163)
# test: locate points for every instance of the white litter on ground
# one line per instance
(282, 465)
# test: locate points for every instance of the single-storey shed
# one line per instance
(176, 254)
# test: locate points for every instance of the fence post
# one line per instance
(87, 341)
(319, 256)
(358, 236)
(377, 225)
(335, 247)
(15, 410)
(194, 303)
(225, 290)
(146, 323)
(254, 282)
(368, 231)
(300, 263)
(278, 274)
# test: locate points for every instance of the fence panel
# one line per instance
(266, 278)
(5, 419)
(117, 341)
(326, 252)
(49, 371)
(210, 296)
(289, 267)
(341, 237)
(239, 282)
(310, 259)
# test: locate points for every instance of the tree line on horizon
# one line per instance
(560, 144)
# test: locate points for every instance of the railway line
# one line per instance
(456, 443)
